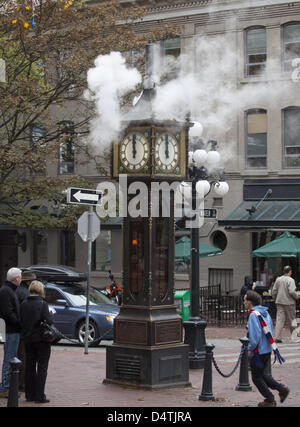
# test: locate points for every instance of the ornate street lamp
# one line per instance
(205, 175)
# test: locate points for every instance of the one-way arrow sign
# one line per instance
(83, 196)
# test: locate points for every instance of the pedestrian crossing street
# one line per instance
(290, 351)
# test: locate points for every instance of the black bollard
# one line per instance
(207, 393)
(13, 395)
(243, 384)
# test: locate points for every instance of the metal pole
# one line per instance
(89, 240)
(195, 292)
(195, 326)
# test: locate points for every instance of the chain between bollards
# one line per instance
(243, 385)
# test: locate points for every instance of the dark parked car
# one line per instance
(68, 299)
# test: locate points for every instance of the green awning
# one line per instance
(285, 246)
(183, 249)
(266, 214)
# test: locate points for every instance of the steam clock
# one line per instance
(148, 349)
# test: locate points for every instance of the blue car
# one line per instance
(69, 302)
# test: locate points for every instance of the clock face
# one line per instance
(167, 152)
(134, 151)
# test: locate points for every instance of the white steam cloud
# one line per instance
(205, 86)
(108, 81)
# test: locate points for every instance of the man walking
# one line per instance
(285, 296)
(10, 312)
(260, 346)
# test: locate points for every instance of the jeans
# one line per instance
(10, 351)
(262, 380)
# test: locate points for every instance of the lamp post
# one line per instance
(204, 175)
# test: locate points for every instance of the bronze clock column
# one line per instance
(148, 349)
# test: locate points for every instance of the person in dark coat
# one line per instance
(10, 312)
(33, 310)
(22, 293)
(247, 286)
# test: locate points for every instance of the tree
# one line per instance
(48, 46)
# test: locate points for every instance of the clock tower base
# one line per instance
(148, 351)
(148, 368)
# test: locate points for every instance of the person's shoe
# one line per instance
(267, 404)
(42, 401)
(283, 394)
(4, 394)
(278, 341)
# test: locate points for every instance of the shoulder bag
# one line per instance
(49, 333)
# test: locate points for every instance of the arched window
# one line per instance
(290, 44)
(291, 137)
(256, 138)
(255, 51)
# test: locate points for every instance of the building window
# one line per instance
(40, 247)
(172, 47)
(256, 138)
(171, 50)
(67, 238)
(291, 137)
(256, 51)
(37, 140)
(223, 277)
(219, 240)
(66, 149)
(102, 252)
(290, 44)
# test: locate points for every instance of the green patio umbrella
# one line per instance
(183, 249)
(287, 245)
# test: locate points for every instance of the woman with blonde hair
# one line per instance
(33, 310)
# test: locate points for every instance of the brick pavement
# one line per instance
(76, 380)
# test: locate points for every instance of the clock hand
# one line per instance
(167, 147)
(133, 146)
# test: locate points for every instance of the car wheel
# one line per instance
(93, 333)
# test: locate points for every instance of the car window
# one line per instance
(78, 300)
(77, 295)
(52, 295)
(99, 297)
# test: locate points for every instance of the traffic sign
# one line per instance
(83, 196)
(88, 231)
(208, 213)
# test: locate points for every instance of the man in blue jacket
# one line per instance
(261, 344)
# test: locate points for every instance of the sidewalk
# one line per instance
(76, 380)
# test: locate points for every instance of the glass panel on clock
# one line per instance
(136, 257)
(161, 256)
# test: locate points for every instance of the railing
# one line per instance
(221, 310)
(218, 309)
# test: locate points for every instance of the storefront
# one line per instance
(269, 208)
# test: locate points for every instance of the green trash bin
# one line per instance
(182, 301)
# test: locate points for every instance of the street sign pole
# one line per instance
(89, 240)
(88, 228)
